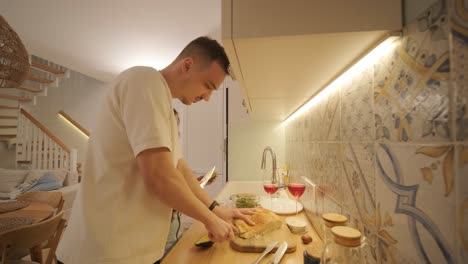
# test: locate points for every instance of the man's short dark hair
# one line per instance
(208, 50)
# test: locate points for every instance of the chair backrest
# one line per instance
(34, 235)
(54, 199)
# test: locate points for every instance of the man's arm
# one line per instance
(226, 213)
(193, 183)
(163, 180)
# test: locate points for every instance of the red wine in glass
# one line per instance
(270, 188)
(296, 189)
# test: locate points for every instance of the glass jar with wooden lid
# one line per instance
(331, 220)
(346, 247)
(313, 253)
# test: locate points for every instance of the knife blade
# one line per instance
(267, 250)
(279, 253)
(207, 177)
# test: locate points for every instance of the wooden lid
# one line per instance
(332, 219)
(346, 236)
(314, 250)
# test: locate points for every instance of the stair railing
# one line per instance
(38, 147)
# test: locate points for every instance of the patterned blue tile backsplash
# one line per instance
(389, 148)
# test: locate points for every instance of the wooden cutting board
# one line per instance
(258, 244)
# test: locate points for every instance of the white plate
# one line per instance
(281, 205)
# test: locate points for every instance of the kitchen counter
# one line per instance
(185, 251)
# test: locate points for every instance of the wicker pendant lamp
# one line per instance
(14, 59)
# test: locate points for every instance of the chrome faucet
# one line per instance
(273, 161)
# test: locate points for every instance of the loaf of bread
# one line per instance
(265, 222)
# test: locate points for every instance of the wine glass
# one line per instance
(296, 187)
(270, 185)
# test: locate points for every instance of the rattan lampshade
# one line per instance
(14, 62)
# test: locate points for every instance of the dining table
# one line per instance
(34, 212)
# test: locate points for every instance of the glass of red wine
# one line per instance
(270, 185)
(296, 187)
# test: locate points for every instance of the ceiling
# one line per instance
(102, 38)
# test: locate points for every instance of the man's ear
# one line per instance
(187, 63)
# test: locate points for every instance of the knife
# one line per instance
(207, 177)
(279, 253)
(267, 250)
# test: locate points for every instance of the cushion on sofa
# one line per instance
(47, 182)
(9, 179)
(34, 176)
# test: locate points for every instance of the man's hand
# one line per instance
(229, 214)
(215, 176)
(220, 230)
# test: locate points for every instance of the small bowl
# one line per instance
(245, 200)
(296, 224)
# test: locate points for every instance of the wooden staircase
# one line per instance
(43, 75)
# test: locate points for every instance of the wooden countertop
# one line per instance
(185, 251)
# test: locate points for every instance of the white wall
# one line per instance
(248, 138)
(78, 96)
(246, 143)
(7, 156)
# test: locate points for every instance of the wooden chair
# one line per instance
(54, 199)
(32, 237)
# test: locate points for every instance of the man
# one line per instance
(134, 172)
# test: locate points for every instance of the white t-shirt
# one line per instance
(114, 219)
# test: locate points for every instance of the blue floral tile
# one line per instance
(324, 117)
(317, 209)
(462, 202)
(330, 205)
(359, 182)
(331, 120)
(331, 170)
(314, 118)
(314, 163)
(411, 83)
(388, 254)
(415, 201)
(357, 116)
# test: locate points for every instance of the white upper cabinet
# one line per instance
(284, 52)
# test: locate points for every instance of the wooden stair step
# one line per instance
(15, 97)
(8, 117)
(39, 79)
(24, 161)
(8, 131)
(47, 68)
(30, 89)
(8, 126)
(8, 136)
(8, 107)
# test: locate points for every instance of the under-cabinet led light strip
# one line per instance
(381, 49)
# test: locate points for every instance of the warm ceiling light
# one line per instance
(381, 49)
(75, 124)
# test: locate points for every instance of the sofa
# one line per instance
(16, 182)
